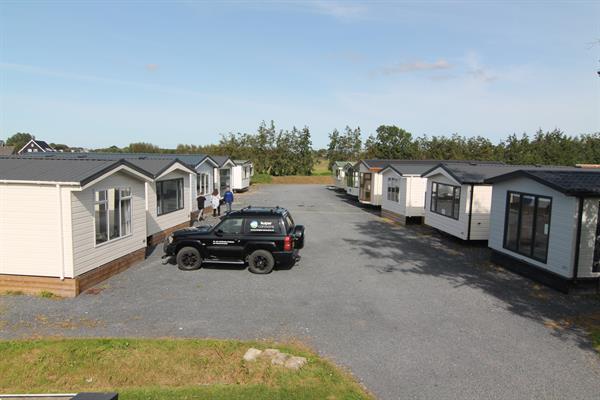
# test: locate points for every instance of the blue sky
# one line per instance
(102, 73)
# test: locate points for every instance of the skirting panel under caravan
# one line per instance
(69, 287)
(401, 219)
(541, 275)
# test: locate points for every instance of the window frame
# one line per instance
(432, 200)
(393, 189)
(182, 197)
(536, 197)
(122, 198)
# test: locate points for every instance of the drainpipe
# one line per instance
(578, 239)
(60, 231)
(470, 212)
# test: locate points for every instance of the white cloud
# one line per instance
(400, 68)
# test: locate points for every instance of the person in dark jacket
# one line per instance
(228, 198)
(201, 200)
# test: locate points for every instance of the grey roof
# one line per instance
(58, 170)
(479, 172)
(192, 160)
(571, 181)
(382, 163)
(342, 164)
(242, 162)
(157, 166)
(221, 160)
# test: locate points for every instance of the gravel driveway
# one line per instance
(411, 313)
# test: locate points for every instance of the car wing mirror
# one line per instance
(219, 232)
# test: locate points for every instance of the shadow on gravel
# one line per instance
(425, 251)
(353, 201)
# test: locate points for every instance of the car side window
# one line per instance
(262, 225)
(231, 226)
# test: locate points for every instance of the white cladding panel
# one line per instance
(563, 222)
(30, 226)
(158, 223)
(455, 227)
(86, 254)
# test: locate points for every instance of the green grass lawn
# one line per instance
(167, 369)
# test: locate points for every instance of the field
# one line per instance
(321, 175)
(167, 369)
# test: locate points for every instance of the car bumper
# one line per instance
(168, 249)
(286, 258)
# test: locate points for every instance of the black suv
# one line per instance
(262, 237)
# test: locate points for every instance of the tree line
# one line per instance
(391, 142)
(289, 152)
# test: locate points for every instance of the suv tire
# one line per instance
(189, 259)
(261, 262)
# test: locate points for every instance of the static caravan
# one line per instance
(338, 173)
(352, 179)
(241, 175)
(67, 224)
(223, 173)
(404, 189)
(544, 224)
(457, 201)
(370, 187)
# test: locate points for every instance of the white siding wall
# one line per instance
(376, 186)
(415, 196)
(482, 204)
(86, 254)
(563, 223)
(30, 239)
(449, 225)
(157, 223)
(588, 238)
(238, 182)
(398, 207)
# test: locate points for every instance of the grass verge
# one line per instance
(167, 369)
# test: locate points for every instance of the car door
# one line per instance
(226, 241)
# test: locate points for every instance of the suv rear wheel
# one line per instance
(188, 259)
(261, 262)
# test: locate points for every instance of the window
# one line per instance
(202, 184)
(445, 199)
(393, 189)
(231, 226)
(169, 196)
(527, 225)
(225, 176)
(112, 214)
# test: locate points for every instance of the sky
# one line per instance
(102, 73)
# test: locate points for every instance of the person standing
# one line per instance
(215, 201)
(228, 197)
(201, 200)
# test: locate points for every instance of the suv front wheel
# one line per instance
(261, 262)
(189, 259)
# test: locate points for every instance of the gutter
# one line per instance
(578, 239)
(470, 212)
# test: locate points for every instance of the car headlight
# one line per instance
(170, 239)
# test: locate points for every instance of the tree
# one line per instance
(391, 142)
(346, 146)
(142, 147)
(19, 140)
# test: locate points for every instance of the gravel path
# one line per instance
(411, 313)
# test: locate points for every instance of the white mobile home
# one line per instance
(65, 225)
(404, 189)
(224, 172)
(352, 179)
(457, 201)
(370, 187)
(241, 175)
(544, 224)
(338, 173)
